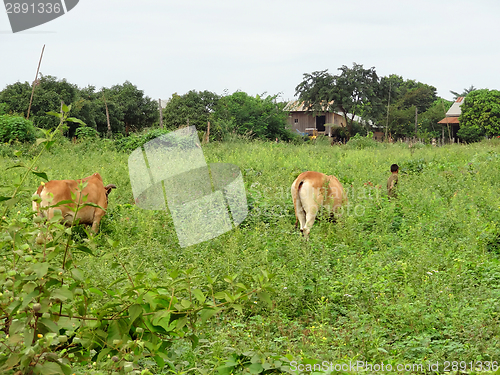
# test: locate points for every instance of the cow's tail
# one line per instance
(298, 202)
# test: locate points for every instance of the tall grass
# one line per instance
(410, 280)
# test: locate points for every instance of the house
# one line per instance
(303, 120)
(451, 119)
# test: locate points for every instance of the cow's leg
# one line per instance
(301, 215)
(310, 218)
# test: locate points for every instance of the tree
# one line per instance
(480, 115)
(352, 92)
(49, 92)
(464, 93)
(194, 107)
(253, 116)
(137, 111)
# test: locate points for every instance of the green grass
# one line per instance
(408, 281)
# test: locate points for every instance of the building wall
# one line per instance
(305, 120)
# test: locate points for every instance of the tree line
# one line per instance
(399, 107)
(122, 109)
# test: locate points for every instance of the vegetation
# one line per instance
(390, 102)
(480, 115)
(409, 281)
(127, 106)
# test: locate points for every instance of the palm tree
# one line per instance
(464, 93)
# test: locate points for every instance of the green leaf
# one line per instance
(4, 198)
(112, 243)
(255, 368)
(65, 108)
(41, 269)
(159, 361)
(199, 295)
(19, 165)
(13, 360)
(62, 294)
(49, 324)
(84, 249)
(206, 314)
(134, 311)
(96, 291)
(77, 120)
(41, 175)
(103, 353)
(77, 274)
(49, 368)
(194, 341)
(52, 113)
(264, 296)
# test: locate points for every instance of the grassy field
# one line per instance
(411, 281)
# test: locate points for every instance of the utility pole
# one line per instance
(388, 105)
(416, 121)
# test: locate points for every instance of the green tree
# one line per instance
(48, 94)
(137, 111)
(353, 92)
(464, 93)
(194, 107)
(253, 116)
(480, 115)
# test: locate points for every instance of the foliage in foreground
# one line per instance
(409, 281)
(54, 317)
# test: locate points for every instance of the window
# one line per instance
(296, 120)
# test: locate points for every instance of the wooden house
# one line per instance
(305, 121)
(451, 119)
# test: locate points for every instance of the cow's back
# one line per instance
(56, 191)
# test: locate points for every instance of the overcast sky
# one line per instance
(258, 46)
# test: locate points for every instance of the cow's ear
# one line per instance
(109, 187)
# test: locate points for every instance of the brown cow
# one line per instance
(56, 191)
(308, 193)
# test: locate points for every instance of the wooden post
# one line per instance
(34, 83)
(207, 139)
(107, 117)
(416, 121)
(161, 113)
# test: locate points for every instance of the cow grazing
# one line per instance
(311, 191)
(56, 191)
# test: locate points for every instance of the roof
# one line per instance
(295, 106)
(454, 110)
(449, 120)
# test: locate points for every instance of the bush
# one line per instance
(470, 133)
(359, 143)
(130, 143)
(16, 128)
(86, 132)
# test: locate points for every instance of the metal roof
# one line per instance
(449, 120)
(454, 110)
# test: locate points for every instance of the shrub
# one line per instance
(470, 133)
(359, 142)
(85, 132)
(130, 143)
(16, 128)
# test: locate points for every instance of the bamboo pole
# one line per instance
(34, 83)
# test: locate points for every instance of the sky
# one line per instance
(260, 46)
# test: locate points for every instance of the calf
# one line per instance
(56, 191)
(312, 190)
